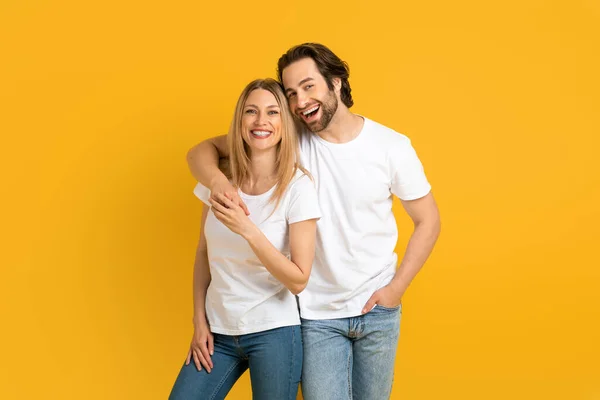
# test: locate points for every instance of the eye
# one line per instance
(308, 87)
(291, 94)
(250, 111)
(273, 112)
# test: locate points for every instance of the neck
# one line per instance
(262, 166)
(344, 126)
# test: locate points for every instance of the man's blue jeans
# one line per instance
(350, 358)
(274, 358)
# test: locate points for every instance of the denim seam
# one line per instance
(225, 376)
(349, 374)
(292, 363)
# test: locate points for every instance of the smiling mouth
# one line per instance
(311, 112)
(260, 134)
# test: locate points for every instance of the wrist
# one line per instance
(398, 287)
(199, 320)
(251, 233)
(217, 179)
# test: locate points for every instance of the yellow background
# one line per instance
(101, 100)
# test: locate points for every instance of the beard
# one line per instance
(328, 108)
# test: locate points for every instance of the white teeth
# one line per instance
(311, 110)
(261, 133)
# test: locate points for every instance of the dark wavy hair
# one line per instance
(329, 65)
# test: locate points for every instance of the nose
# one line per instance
(261, 119)
(302, 99)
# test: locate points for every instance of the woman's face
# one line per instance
(261, 120)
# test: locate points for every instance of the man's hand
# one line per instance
(226, 189)
(387, 296)
(201, 348)
(232, 216)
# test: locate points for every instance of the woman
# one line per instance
(248, 269)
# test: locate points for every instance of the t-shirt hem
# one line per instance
(253, 329)
(303, 218)
(416, 196)
(202, 193)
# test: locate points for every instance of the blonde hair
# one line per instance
(288, 152)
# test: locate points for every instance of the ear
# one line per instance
(337, 85)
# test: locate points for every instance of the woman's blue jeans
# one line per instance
(274, 358)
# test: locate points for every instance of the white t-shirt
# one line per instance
(243, 297)
(357, 234)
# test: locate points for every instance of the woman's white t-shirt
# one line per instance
(243, 297)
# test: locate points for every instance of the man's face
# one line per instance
(309, 97)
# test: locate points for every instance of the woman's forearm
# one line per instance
(290, 274)
(201, 274)
(201, 282)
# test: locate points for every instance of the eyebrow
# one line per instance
(303, 81)
(255, 106)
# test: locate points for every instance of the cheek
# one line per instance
(292, 104)
(246, 122)
(277, 125)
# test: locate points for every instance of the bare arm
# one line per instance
(426, 218)
(203, 161)
(202, 345)
(201, 274)
(292, 273)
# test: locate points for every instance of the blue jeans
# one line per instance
(350, 358)
(274, 358)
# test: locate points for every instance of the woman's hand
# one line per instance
(225, 188)
(232, 215)
(202, 347)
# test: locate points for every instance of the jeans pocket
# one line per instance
(387, 309)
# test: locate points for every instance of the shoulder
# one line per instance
(386, 136)
(301, 187)
(302, 202)
(300, 181)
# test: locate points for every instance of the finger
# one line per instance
(189, 357)
(226, 201)
(214, 200)
(206, 356)
(213, 196)
(220, 216)
(244, 207)
(370, 303)
(196, 360)
(216, 205)
(203, 361)
(211, 344)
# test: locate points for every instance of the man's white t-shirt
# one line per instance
(243, 297)
(357, 233)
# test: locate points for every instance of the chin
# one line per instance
(316, 128)
(263, 147)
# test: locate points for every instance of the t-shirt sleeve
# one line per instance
(408, 176)
(304, 203)
(202, 192)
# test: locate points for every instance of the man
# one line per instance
(351, 307)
